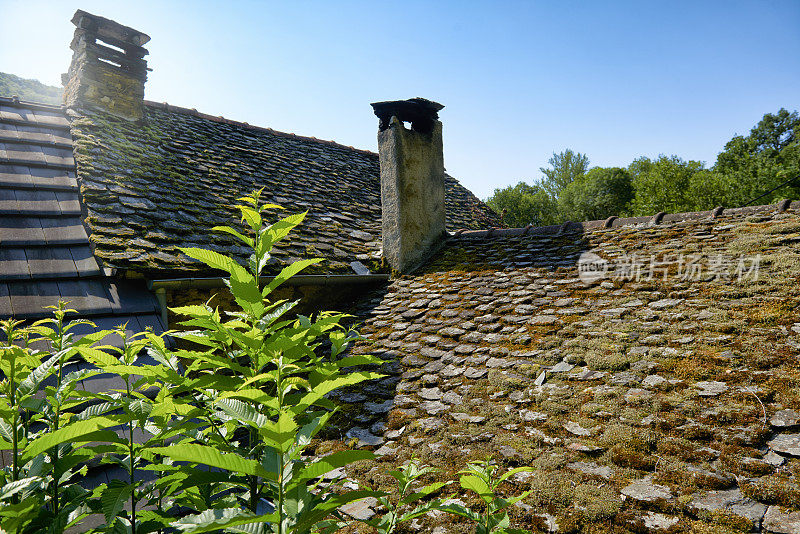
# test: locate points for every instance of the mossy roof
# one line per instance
(153, 186)
(670, 398)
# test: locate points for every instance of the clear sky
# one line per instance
(520, 80)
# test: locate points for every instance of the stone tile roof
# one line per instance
(149, 188)
(45, 252)
(643, 401)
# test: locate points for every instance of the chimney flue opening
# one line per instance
(421, 113)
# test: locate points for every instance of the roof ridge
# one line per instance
(15, 101)
(616, 222)
(193, 112)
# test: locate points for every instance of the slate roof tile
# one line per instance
(44, 247)
(167, 181)
(628, 380)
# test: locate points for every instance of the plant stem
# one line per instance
(132, 464)
(59, 348)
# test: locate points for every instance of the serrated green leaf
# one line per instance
(218, 519)
(202, 454)
(333, 461)
(287, 272)
(12, 488)
(478, 485)
(215, 260)
(113, 499)
(228, 230)
(77, 432)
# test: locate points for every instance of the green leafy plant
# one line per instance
(256, 395)
(484, 479)
(398, 509)
(43, 424)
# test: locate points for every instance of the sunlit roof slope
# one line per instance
(153, 186)
(45, 252)
(658, 389)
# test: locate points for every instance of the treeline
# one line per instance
(748, 167)
(30, 90)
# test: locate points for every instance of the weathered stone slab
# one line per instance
(591, 468)
(711, 389)
(785, 419)
(729, 500)
(364, 436)
(781, 522)
(664, 304)
(645, 491)
(788, 444)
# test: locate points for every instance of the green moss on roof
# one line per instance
(177, 175)
(669, 386)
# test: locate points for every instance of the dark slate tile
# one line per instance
(50, 118)
(86, 296)
(13, 264)
(84, 261)
(55, 262)
(12, 113)
(53, 177)
(8, 131)
(152, 321)
(130, 297)
(68, 202)
(102, 323)
(37, 202)
(63, 230)
(12, 175)
(58, 156)
(32, 133)
(30, 298)
(111, 323)
(61, 136)
(8, 201)
(5, 301)
(20, 231)
(22, 152)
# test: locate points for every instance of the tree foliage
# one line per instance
(565, 168)
(524, 204)
(30, 90)
(662, 184)
(601, 192)
(748, 167)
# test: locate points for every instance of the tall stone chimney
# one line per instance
(108, 70)
(412, 180)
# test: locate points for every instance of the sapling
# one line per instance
(484, 478)
(397, 510)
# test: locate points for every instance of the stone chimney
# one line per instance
(412, 180)
(107, 70)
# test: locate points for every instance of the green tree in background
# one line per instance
(767, 157)
(748, 167)
(30, 90)
(565, 168)
(662, 184)
(538, 204)
(601, 192)
(524, 204)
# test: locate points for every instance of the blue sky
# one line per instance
(520, 80)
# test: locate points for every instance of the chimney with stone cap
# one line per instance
(108, 70)
(412, 180)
